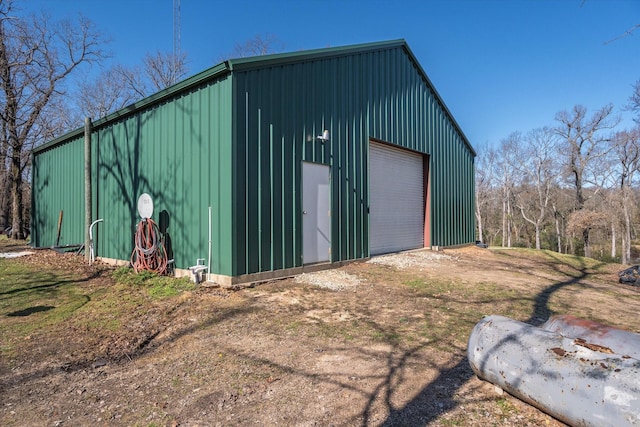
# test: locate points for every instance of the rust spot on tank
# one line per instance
(559, 351)
(598, 329)
(592, 347)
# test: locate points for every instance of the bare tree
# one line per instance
(506, 174)
(164, 69)
(120, 86)
(585, 144)
(535, 159)
(36, 56)
(627, 155)
(157, 72)
(484, 182)
(113, 89)
(634, 101)
(260, 44)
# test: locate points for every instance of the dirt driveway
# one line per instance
(381, 342)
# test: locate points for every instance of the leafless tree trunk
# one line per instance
(587, 242)
(626, 238)
(534, 160)
(35, 58)
(504, 220)
(479, 222)
(572, 247)
(509, 221)
(627, 158)
(613, 239)
(507, 217)
(5, 179)
(484, 169)
(556, 217)
(506, 173)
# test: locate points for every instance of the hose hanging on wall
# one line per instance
(149, 253)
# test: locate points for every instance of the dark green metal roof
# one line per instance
(263, 61)
(310, 55)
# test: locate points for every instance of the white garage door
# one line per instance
(396, 195)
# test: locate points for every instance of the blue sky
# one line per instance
(500, 65)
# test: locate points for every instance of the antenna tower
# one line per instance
(176, 38)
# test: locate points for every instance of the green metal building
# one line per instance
(305, 158)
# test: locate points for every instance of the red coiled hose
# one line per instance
(149, 253)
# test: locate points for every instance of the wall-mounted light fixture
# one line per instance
(324, 137)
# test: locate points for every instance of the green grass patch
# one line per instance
(430, 287)
(390, 337)
(34, 301)
(31, 298)
(293, 326)
(156, 285)
(38, 301)
(567, 264)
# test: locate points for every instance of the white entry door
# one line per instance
(316, 213)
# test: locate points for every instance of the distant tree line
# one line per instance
(570, 187)
(45, 91)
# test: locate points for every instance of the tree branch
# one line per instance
(629, 32)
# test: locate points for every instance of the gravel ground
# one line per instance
(417, 259)
(339, 280)
(335, 280)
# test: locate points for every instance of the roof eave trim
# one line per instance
(241, 64)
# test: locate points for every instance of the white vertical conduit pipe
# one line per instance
(92, 252)
(209, 257)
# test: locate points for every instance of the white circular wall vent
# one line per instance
(145, 206)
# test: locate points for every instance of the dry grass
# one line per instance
(373, 343)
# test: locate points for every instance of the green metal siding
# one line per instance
(58, 180)
(179, 153)
(377, 94)
(177, 150)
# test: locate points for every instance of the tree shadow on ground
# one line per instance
(436, 398)
(31, 310)
(54, 282)
(421, 407)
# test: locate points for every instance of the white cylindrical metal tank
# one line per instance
(578, 383)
